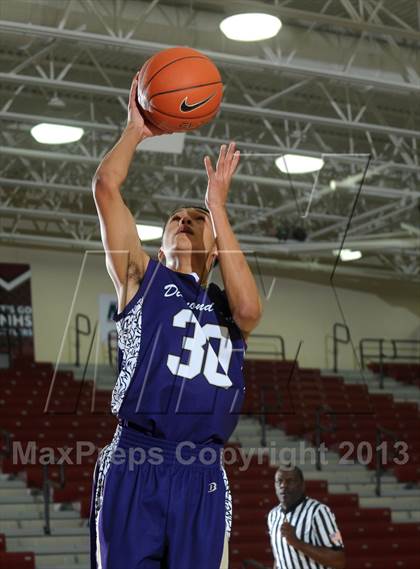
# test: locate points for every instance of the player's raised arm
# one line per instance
(125, 257)
(240, 285)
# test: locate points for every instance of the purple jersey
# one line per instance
(180, 359)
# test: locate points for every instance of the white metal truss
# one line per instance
(341, 80)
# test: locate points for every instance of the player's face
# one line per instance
(188, 229)
(289, 487)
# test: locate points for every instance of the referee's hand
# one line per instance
(289, 533)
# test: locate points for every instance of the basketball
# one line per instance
(179, 89)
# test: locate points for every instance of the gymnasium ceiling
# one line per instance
(341, 79)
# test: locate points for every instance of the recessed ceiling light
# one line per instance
(297, 164)
(348, 254)
(149, 232)
(47, 133)
(250, 27)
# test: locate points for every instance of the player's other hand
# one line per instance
(219, 180)
(135, 115)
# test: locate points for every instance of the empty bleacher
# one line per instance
(60, 413)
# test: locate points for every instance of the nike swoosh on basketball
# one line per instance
(185, 107)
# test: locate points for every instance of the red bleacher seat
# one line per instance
(372, 540)
(407, 472)
(17, 560)
(369, 562)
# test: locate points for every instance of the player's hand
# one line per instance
(289, 533)
(219, 180)
(135, 118)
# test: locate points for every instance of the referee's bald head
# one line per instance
(292, 468)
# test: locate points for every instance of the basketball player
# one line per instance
(165, 501)
(303, 531)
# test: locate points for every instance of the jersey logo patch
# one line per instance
(212, 487)
(336, 538)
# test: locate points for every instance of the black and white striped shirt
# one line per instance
(314, 523)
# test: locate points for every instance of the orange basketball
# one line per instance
(179, 89)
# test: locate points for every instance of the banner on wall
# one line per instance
(16, 322)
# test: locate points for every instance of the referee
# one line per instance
(303, 531)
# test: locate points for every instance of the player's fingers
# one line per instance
(208, 165)
(234, 162)
(133, 87)
(221, 159)
(230, 154)
(134, 82)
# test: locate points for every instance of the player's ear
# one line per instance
(215, 253)
(214, 257)
(161, 256)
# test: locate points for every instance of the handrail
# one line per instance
(81, 332)
(46, 493)
(337, 340)
(8, 440)
(89, 350)
(380, 353)
(405, 356)
(62, 482)
(319, 429)
(378, 466)
(282, 351)
(47, 484)
(263, 420)
(363, 354)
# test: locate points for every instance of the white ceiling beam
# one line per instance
(322, 246)
(197, 138)
(272, 265)
(280, 182)
(291, 14)
(147, 47)
(35, 184)
(263, 112)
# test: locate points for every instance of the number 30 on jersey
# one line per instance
(196, 344)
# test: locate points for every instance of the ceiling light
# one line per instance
(297, 164)
(250, 27)
(48, 133)
(149, 232)
(348, 254)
